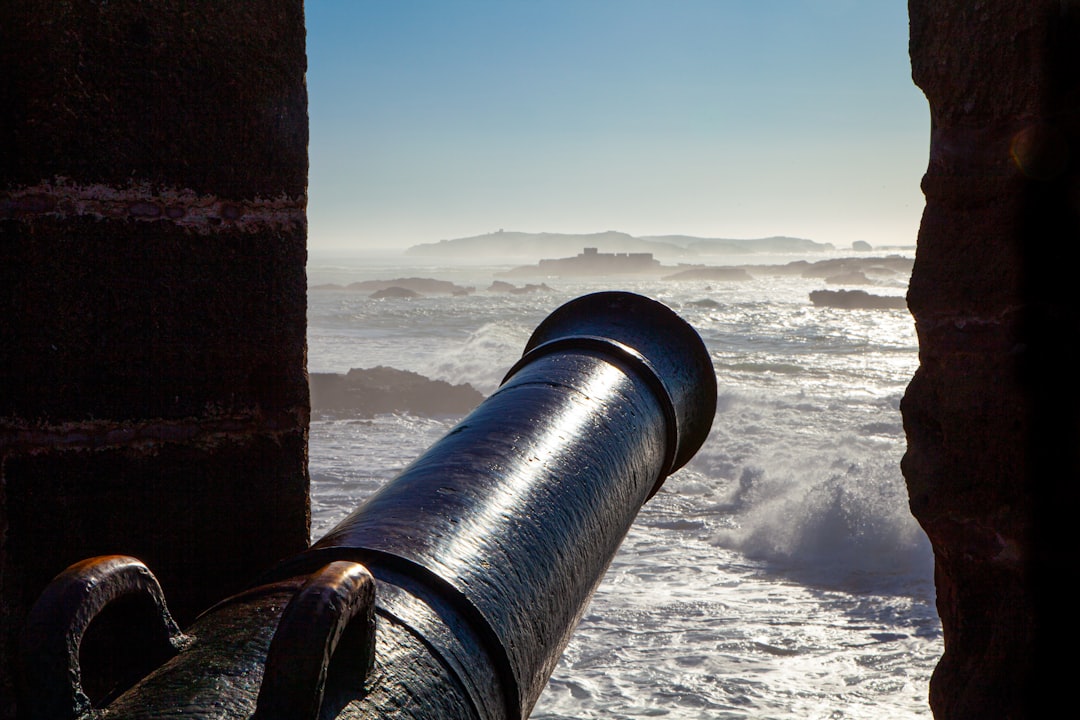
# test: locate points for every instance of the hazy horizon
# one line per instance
(736, 119)
(560, 248)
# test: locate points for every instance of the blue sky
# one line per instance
(435, 119)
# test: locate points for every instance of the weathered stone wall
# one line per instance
(992, 414)
(153, 397)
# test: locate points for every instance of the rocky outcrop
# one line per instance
(369, 392)
(394, 292)
(862, 270)
(500, 286)
(856, 299)
(993, 413)
(420, 286)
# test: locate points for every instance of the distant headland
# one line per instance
(531, 246)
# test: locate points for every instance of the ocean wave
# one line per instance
(828, 526)
(483, 358)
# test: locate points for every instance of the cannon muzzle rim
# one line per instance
(670, 347)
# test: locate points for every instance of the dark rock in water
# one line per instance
(423, 286)
(369, 392)
(505, 287)
(711, 273)
(856, 299)
(394, 292)
(861, 246)
(861, 270)
(705, 302)
(426, 286)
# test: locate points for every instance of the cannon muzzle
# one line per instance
(452, 591)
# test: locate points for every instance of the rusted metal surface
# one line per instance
(483, 553)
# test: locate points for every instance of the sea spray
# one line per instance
(778, 575)
(829, 525)
(483, 357)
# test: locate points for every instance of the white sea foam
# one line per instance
(778, 575)
(484, 356)
(828, 524)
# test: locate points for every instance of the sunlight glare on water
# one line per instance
(779, 575)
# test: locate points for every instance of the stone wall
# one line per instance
(153, 396)
(992, 413)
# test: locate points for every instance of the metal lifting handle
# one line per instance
(483, 553)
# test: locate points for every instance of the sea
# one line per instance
(778, 575)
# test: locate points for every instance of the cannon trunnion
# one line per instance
(452, 591)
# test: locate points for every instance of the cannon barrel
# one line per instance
(452, 591)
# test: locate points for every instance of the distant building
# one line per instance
(593, 262)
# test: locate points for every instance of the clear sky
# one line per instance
(435, 119)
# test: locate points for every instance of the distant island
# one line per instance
(591, 261)
(530, 246)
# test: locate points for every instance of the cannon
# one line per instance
(449, 593)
